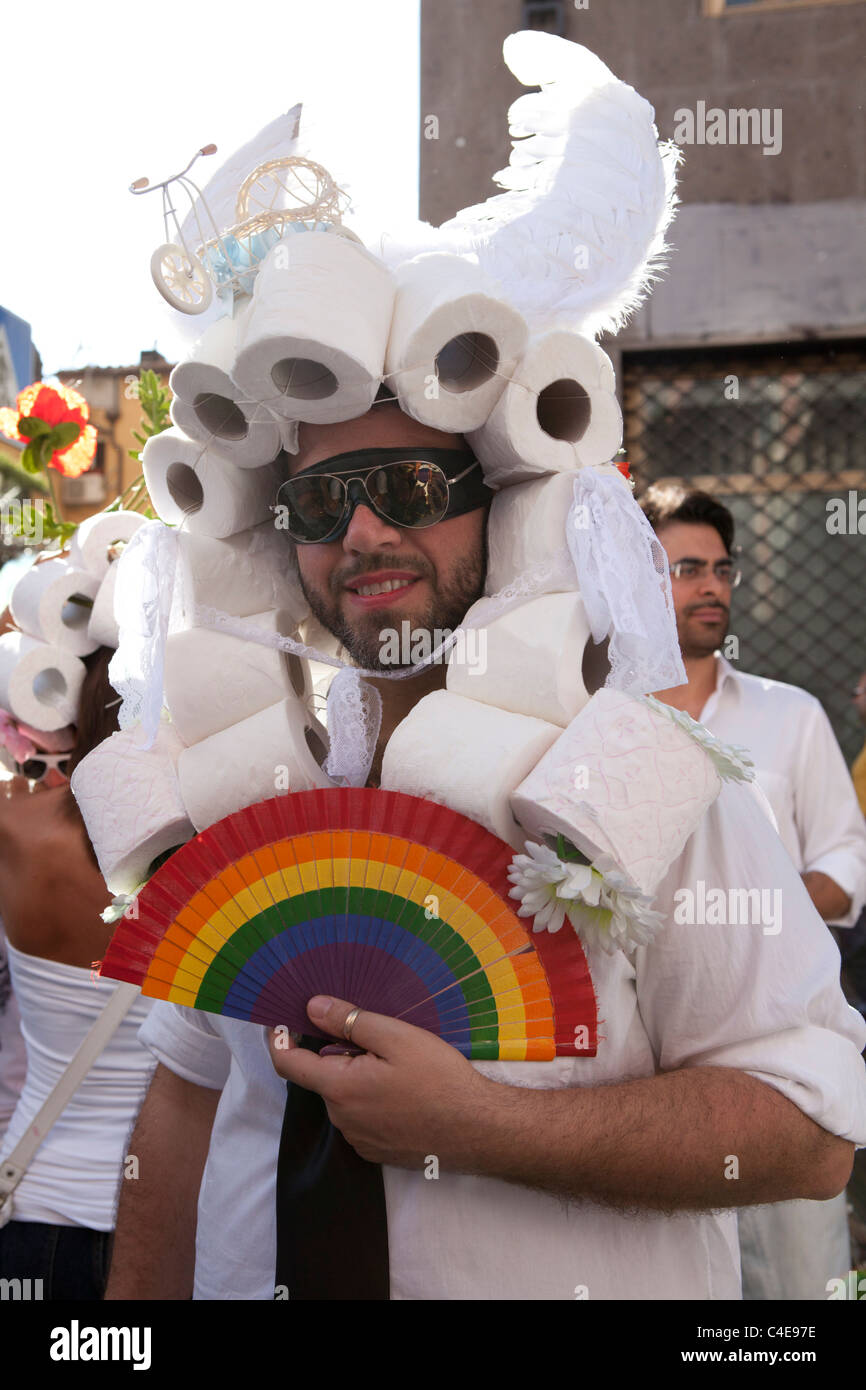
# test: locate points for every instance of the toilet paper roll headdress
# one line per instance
(484, 326)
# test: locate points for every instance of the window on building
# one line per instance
(544, 14)
(724, 7)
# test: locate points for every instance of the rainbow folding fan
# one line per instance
(392, 902)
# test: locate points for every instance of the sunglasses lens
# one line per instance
(63, 767)
(411, 493)
(34, 769)
(315, 506)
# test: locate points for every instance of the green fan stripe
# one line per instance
(362, 902)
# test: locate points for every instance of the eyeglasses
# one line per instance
(34, 769)
(410, 492)
(724, 570)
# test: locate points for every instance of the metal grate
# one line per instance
(774, 433)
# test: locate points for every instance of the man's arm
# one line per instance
(829, 822)
(661, 1143)
(832, 902)
(154, 1243)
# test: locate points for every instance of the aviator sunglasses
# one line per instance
(406, 486)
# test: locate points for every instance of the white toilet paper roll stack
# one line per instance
(130, 801)
(40, 684)
(557, 412)
(314, 345)
(53, 601)
(192, 486)
(528, 661)
(622, 780)
(245, 573)
(468, 756)
(102, 627)
(278, 750)
(213, 679)
(449, 327)
(89, 546)
(210, 408)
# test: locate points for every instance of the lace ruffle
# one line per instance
(624, 581)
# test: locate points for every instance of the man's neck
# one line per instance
(398, 699)
(702, 673)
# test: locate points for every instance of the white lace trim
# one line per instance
(144, 604)
(624, 581)
(731, 762)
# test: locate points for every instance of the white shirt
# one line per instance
(13, 1057)
(698, 996)
(800, 767)
(74, 1175)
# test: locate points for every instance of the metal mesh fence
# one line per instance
(779, 436)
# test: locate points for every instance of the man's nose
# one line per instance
(710, 583)
(368, 532)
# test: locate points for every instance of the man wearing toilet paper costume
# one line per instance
(727, 1069)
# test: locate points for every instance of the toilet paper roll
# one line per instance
(468, 756)
(526, 530)
(40, 684)
(280, 749)
(102, 627)
(314, 345)
(557, 412)
(450, 329)
(210, 408)
(192, 486)
(130, 802)
(45, 604)
(529, 661)
(214, 680)
(246, 573)
(89, 546)
(622, 780)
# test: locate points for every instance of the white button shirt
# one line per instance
(800, 767)
(698, 996)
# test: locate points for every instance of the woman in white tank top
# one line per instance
(51, 897)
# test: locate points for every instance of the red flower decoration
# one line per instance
(58, 435)
(623, 468)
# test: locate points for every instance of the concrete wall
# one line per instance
(768, 246)
(808, 62)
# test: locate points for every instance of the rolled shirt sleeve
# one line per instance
(760, 994)
(830, 823)
(185, 1041)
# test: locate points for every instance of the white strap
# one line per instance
(14, 1167)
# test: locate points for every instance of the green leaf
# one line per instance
(31, 428)
(31, 459)
(66, 433)
(45, 447)
(569, 853)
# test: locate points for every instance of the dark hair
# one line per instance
(665, 503)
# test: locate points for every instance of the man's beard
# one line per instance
(698, 641)
(362, 636)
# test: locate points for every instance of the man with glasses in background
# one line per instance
(789, 1250)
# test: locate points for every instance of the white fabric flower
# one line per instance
(599, 900)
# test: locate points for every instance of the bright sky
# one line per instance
(96, 94)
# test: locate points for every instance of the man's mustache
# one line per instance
(702, 607)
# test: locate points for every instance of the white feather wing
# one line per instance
(576, 239)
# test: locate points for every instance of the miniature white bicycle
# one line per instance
(287, 194)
